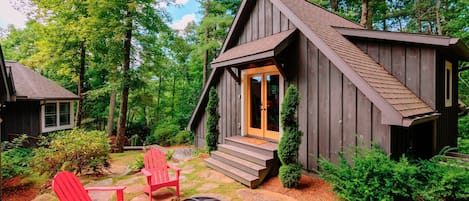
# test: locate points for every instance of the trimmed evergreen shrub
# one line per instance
(290, 174)
(211, 137)
(290, 171)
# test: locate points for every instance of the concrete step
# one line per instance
(237, 174)
(267, 148)
(239, 163)
(254, 157)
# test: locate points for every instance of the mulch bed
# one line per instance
(13, 190)
(309, 189)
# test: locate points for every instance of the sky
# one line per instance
(184, 12)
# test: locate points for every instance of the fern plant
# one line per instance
(211, 137)
(290, 171)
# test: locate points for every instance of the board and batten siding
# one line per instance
(334, 115)
(229, 108)
(265, 20)
(413, 65)
(23, 118)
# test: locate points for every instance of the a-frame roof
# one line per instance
(398, 104)
(7, 89)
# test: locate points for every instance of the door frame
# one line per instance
(244, 104)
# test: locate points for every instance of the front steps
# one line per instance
(247, 162)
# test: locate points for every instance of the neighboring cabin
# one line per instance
(38, 104)
(357, 86)
(7, 90)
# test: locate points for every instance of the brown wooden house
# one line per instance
(7, 89)
(357, 87)
(39, 105)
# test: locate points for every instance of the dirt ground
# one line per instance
(309, 189)
(13, 190)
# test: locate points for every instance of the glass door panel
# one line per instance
(272, 102)
(256, 101)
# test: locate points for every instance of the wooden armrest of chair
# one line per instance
(146, 172)
(108, 188)
(173, 167)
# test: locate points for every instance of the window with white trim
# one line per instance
(64, 114)
(50, 115)
(448, 84)
(56, 115)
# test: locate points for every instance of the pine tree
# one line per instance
(211, 137)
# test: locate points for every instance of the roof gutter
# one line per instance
(409, 121)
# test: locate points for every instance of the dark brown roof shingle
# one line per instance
(32, 86)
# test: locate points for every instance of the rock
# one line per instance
(45, 197)
(262, 195)
(207, 187)
(134, 184)
(188, 169)
(213, 175)
(101, 195)
(183, 154)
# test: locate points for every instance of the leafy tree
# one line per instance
(211, 138)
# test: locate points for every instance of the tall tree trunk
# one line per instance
(364, 14)
(158, 98)
(438, 17)
(172, 96)
(369, 16)
(205, 71)
(333, 5)
(81, 81)
(112, 110)
(125, 88)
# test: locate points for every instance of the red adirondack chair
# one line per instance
(156, 171)
(67, 187)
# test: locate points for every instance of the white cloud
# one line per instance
(8, 15)
(180, 25)
(180, 2)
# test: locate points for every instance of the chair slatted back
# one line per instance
(155, 162)
(67, 187)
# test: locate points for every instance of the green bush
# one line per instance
(374, 176)
(291, 139)
(74, 150)
(290, 174)
(135, 140)
(162, 135)
(211, 138)
(463, 145)
(138, 164)
(15, 162)
(183, 137)
(463, 127)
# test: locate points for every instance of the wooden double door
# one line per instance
(262, 102)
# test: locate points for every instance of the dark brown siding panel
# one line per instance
(385, 56)
(22, 117)
(427, 80)
(303, 90)
(248, 30)
(275, 20)
(373, 51)
(381, 133)
(412, 65)
(283, 22)
(398, 62)
(336, 113)
(349, 115)
(362, 45)
(312, 107)
(268, 18)
(261, 18)
(363, 120)
(255, 22)
(324, 102)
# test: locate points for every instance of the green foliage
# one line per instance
(15, 162)
(211, 138)
(374, 176)
(135, 140)
(169, 154)
(290, 174)
(162, 135)
(291, 139)
(138, 164)
(463, 127)
(184, 137)
(463, 145)
(16, 143)
(74, 150)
